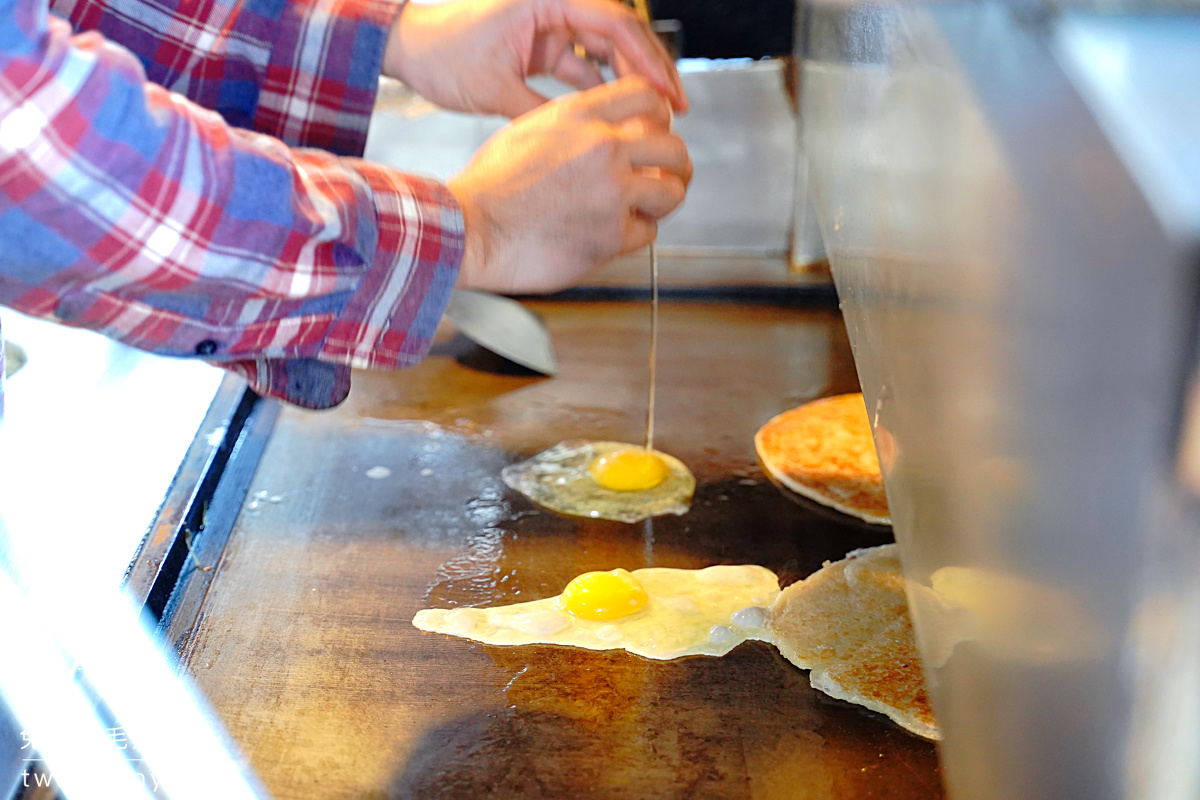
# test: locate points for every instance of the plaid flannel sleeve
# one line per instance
(131, 211)
(303, 71)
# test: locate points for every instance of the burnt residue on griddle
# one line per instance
(613, 725)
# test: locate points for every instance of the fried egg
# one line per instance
(604, 480)
(656, 612)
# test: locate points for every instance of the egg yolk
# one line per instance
(633, 470)
(603, 595)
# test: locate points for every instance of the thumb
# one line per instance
(625, 98)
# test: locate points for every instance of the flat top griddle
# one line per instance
(358, 517)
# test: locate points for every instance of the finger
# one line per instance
(545, 49)
(638, 233)
(664, 151)
(605, 50)
(577, 72)
(623, 68)
(626, 35)
(621, 100)
(655, 197)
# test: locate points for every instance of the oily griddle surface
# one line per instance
(304, 643)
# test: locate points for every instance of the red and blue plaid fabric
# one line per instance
(128, 209)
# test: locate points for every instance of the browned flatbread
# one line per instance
(848, 622)
(824, 451)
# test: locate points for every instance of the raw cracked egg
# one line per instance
(657, 612)
(605, 480)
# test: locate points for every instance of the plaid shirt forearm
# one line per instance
(127, 209)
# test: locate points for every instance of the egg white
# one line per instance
(558, 479)
(688, 612)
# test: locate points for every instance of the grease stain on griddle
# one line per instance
(438, 486)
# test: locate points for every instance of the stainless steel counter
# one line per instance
(93, 436)
(94, 433)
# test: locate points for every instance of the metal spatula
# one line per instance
(505, 327)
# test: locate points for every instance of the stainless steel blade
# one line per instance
(505, 327)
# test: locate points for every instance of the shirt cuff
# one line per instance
(390, 320)
(303, 382)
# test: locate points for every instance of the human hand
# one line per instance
(475, 55)
(568, 186)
